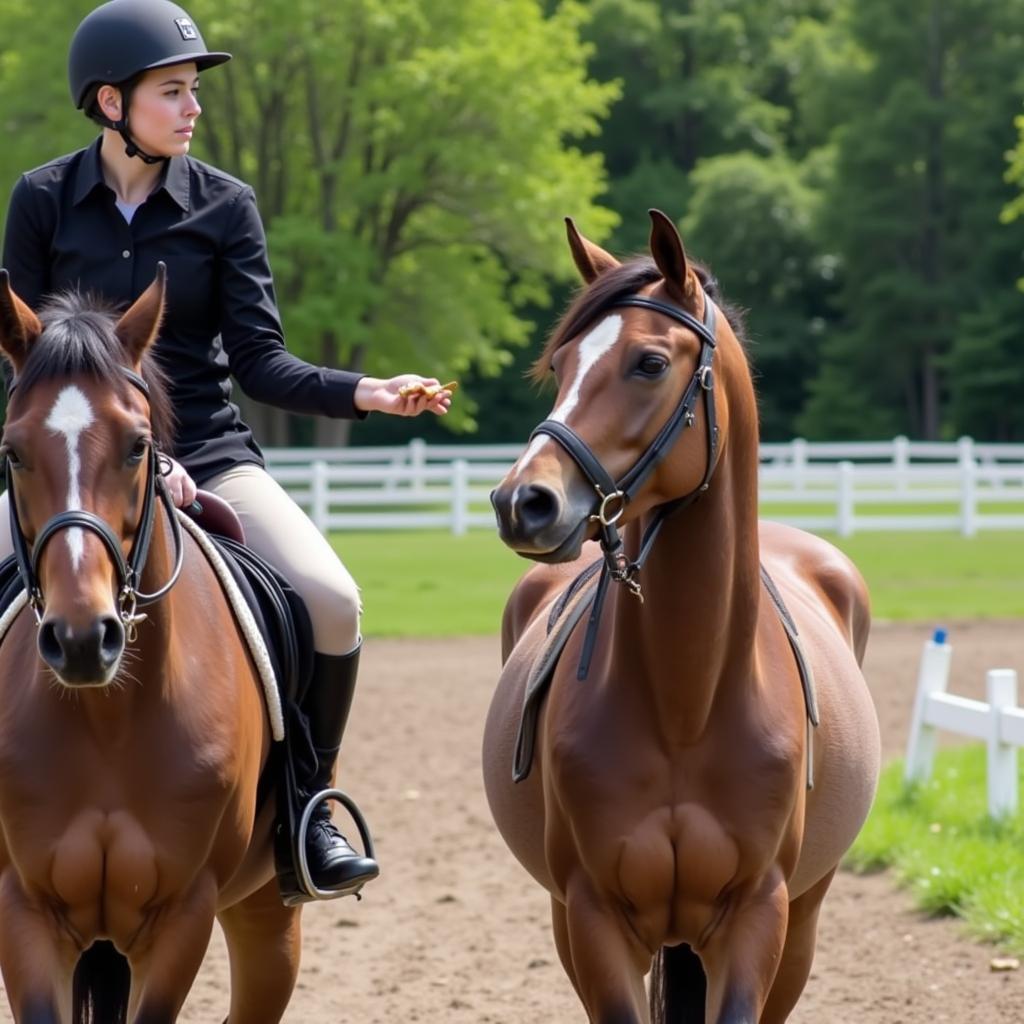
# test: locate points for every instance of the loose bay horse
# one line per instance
(677, 803)
(130, 746)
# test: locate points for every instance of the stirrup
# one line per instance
(304, 877)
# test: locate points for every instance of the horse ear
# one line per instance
(668, 253)
(591, 260)
(19, 326)
(138, 328)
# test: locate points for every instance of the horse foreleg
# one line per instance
(742, 956)
(797, 954)
(37, 980)
(164, 969)
(263, 938)
(608, 962)
(560, 930)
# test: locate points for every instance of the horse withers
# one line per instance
(131, 738)
(670, 788)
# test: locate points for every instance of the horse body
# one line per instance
(129, 805)
(667, 802)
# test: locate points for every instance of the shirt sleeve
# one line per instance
(251, 329)
(26, 246)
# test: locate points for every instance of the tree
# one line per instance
(754, 218)
(913, 212)
(413, 163)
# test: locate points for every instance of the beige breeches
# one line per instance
(276, 528)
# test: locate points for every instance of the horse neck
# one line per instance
(701, 587)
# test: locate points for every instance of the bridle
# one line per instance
(613, 496)
(129, 570)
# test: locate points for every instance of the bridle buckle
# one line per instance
(603, 516)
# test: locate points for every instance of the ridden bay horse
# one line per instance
(130, 743)
(679, 806)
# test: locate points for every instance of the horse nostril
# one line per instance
(537, 506)
(50, 648)
(111, 639)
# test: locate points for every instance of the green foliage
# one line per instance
(755, 217)
(413, 161)
(913, 213)
(941, 844)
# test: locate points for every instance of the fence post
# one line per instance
(1001, 687)
(799, 448)
(932, 677)
(968, 498)
(844, 509)
(901, 462)
(460, 497)
(320, 499)
(417, 463)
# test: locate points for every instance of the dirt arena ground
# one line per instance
(454, 930)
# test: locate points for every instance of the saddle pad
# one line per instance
(270, 615)
(566, 612)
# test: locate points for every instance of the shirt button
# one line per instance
(127, 254)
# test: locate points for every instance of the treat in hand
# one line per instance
(430, 390)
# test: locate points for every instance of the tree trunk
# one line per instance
(934, 228)
(269, 426)
(330, 433)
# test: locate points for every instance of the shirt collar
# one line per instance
(174, 177)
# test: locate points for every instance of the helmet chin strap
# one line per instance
(130, 147)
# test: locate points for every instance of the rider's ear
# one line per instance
(19, 326)
(668, 253)
(139, 326)
(591, 260)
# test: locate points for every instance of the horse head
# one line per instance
(85, 413)
(641, 414)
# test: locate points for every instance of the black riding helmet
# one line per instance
(119, 41)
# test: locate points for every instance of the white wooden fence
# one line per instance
(997, 722)
(846, 488)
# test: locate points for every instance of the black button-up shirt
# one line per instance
(64, 231)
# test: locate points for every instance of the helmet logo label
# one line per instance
(186, 28)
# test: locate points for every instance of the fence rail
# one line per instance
(846, 488)
(998, 722)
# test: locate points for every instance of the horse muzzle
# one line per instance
(82, 655)
(537, 522)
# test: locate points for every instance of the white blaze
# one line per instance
(596, 344)
(70, 415)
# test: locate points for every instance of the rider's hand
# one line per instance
(375, 395)
(180, 486)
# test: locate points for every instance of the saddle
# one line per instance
(566, 612)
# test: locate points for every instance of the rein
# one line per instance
(129, 570)
(612, 496)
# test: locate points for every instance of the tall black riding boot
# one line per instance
(333, 864)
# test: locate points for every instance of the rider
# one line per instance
(101, 219)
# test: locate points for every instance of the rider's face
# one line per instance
(164, 108)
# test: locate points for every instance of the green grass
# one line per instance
(429, 583)
(939, 843)
(940, 576)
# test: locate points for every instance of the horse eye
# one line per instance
(8, 453)
(138, 451)
(652, 366)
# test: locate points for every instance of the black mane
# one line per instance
(78, 338)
